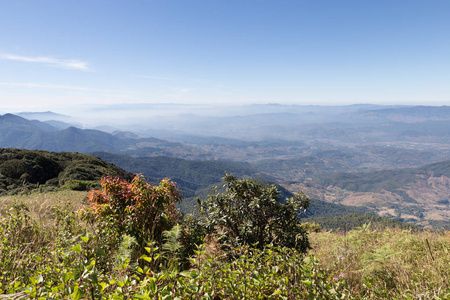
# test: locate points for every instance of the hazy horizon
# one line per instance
(215, 118)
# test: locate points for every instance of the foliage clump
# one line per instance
(135, 208)
(249, 213)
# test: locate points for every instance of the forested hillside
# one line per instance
(390, 180)
(24, 170)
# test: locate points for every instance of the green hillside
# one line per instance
(192, 173)
(24, 170)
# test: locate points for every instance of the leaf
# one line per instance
(146, 258)
(141, 297)
(152, 286)
(103, 285)
(76, 293)
(101, 252)
(277, 292)
(67, 276)
(77, 249)
(185, 274)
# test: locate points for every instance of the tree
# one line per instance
(251, 214)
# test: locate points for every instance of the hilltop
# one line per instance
(23, 170)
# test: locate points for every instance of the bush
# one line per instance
(138, 209)
(80, 185)
(248, 213)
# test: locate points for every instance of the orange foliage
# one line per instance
(138, 208)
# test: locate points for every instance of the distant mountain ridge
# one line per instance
(18, 132)
(43, 116)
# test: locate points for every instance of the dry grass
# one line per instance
(390, 263)
(40, 204)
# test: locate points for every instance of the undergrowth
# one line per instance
(64, 260)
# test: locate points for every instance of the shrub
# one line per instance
(135, 208)
(248, 213)
(80, 185)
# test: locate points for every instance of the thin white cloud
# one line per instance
(155, 77)
(62, 63)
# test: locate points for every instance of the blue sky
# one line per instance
(56, 54)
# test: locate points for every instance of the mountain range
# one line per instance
(18, 132)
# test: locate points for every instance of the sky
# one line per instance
(57, 55)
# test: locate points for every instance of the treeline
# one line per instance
(354, 220)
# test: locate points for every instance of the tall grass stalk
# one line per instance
(388, 263)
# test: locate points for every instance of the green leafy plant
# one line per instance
(248, 213)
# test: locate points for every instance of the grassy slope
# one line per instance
(389, 263)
